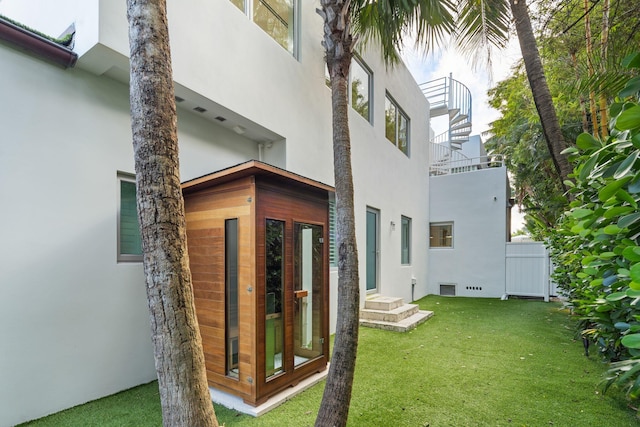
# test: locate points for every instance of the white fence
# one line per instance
(528, 270)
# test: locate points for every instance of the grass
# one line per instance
(477, 362)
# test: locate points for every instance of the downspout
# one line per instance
(37, 45)
(261, 152)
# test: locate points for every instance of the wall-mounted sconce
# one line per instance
(393, 225)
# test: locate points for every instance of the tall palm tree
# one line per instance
(486, 22)
(385, 22)
(184, 393)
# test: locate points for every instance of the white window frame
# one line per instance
(295, 48)
(399, 112)
(441, 224)
(122, 257)
(359, 62)
(405, 243)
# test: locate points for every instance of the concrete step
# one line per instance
(395, 315)
(404, 325)
(383, 303)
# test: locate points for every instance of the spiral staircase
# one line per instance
(448, 97)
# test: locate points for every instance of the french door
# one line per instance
(294, 283)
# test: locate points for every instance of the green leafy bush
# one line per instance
(596, 245)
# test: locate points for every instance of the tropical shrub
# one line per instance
(596, 246)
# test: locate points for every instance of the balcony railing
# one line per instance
(445, 161)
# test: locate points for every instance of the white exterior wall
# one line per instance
(476, 204)
(74, 320)
(474, 149)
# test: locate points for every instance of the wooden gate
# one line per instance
(527, 270)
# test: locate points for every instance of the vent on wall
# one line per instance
(448, 289)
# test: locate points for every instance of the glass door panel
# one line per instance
(308, 284)
(274, 278)
(372, 250)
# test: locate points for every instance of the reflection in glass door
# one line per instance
(372, 250)
(308, 283)
(274, 277)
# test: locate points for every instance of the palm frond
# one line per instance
(389, 22)
(481, 26)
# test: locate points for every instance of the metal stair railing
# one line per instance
(448, 96)
(447, 161)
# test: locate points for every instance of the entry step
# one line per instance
(392, 314)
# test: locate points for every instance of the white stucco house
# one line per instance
(250, 84)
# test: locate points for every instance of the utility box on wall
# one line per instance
(258, 240)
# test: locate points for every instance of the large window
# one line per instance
(396, 125)
(129, 241)
(360, 81)
(405, 247)
(441, 235)
(276, 17)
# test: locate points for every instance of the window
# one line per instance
(129, 241)
(360, 82)
(405, 247)
(441, 235)
(231, 285)
(333, 258)
(276, 17)
(396, 125)
(274, 281)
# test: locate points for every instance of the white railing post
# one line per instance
(445, 161)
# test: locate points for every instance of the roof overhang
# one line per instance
(38, 45)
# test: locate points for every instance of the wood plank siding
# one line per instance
(252, 193)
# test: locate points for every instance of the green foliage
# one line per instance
(596, 246)
(64, 40)
(518, 136)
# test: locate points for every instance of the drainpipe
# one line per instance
(261, 152)
(36, 44)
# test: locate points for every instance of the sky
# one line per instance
(478, 79)
(445, 61)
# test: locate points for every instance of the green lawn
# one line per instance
(477, 362)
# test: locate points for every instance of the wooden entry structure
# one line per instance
(258, 238)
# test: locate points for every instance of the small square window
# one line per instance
(129, 240)
(441, 235)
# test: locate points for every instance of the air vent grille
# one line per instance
(448, 289)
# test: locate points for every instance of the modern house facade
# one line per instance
(250, 85)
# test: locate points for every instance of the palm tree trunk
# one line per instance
(540, 89)
(604, 42)
(338, 43)
(589, 44)
(179, 359)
